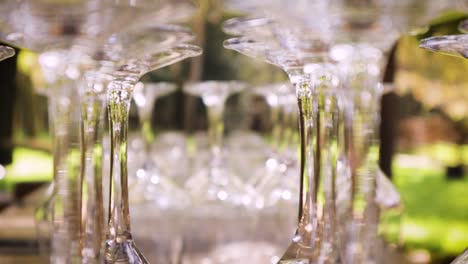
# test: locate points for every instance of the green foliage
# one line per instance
(436, 210)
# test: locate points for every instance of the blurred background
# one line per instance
(424, 132)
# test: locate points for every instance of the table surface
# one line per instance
(18, 240)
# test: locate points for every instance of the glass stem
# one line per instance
(276, 133)
(147, 132)
(66, 213)
(216, 130)
(328, 148)
(119, 216)
(372, 214)
(92, 112)
(362, 154)
(308, 180)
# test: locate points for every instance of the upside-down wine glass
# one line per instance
(369, 34)
(454, 45)
(93, 94)
(156, 186)
(119, 245)
(260, 29)
(46, 25)
(92, 88)
(332, 250)
(274, 183)
(58, 226)
(215, 182)
(305, 246)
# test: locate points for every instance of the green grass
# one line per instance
(436, 210)
(28, 166)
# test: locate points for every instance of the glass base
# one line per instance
(298, 253)
(123, 252)
(295, 261)
(462, 259)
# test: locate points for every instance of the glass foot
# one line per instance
(298, 253)
(123, 252)
(456, 45)
(462, 259)
(295, 261)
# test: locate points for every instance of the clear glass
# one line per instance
(77, 27)
(456, 45)
(92, 90)
(315, 240)
(305, 247)
(42, 25)
(58, 217)
(215, 182)
(119, 244)
(366, 190)
(152, 185)
(274, 181)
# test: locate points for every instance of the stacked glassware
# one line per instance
(229, 188)
(93, 54)
(333, 53)
(225, 210)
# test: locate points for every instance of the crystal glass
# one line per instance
(274, 181)
(215, 182)
(92, 104)
(358, 213)
(78, 28)
(119, 243)
(455, 45)
(362, 30)
(58, 225)
(305, 245)
(97, 75)
(153, 185)
(6, 52)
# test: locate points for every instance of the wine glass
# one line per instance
(454, 45)
(155, 186)
(304, 246)
(6, 52)
(119, 245)
(45, 25)
(215, 182)
(275, 182)
(292, 62)
(93, 89)
(58, 226)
